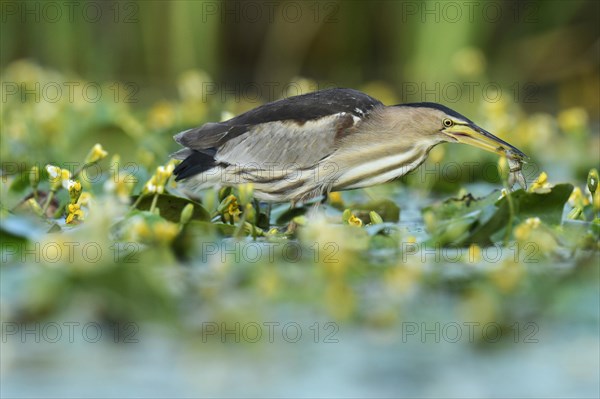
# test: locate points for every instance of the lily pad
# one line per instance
(469, 220)
(546, 206)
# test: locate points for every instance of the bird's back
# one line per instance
(317, 119)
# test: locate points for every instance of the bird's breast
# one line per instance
(365, 171)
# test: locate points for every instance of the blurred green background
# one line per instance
(550, 43)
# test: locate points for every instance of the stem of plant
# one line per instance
(240, 226)
(154, 201)
(511, 214)
(137, 201)
(48, 201)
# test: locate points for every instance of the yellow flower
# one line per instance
(541, 184)
(84, 199)
(523, 231)
(150, 187)
(120, 184)
(508, 276)
(140, 231)
(469, 61)
(74, 188)
(354, 221)
(233, 209)
(578, 199)
(58, 177)
(145, 157)
(474, 253)
(573, 120)
(156, 184)
(402, 279)
(96, 154)
(502, 194)
(65, 176)
(335, 198)
(165, 231)
(53, 171)
(162, 115)
(157, 232)
(74, 213)
(245, 192)
(192, 85)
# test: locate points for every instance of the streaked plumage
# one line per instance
(306, 146)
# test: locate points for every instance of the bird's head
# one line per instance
(442, 124)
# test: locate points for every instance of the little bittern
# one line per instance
(305, 146)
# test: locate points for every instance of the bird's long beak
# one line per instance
(480, 138)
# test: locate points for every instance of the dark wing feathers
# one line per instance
(195, 163)
(309, 107)
(298, 108)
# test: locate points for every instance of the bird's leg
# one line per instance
(314, 208)
(268, 213)
(292, 226)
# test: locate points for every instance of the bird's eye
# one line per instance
(447, 122)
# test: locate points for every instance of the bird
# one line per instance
(303, 147)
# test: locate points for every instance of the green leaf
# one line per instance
(546, 206)
(171, 207)
(469, 220)
(387, 209)
(208, 229)
(290, 214)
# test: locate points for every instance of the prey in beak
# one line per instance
(472, 134)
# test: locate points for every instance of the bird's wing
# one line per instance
(298, 109)
(286, 144)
